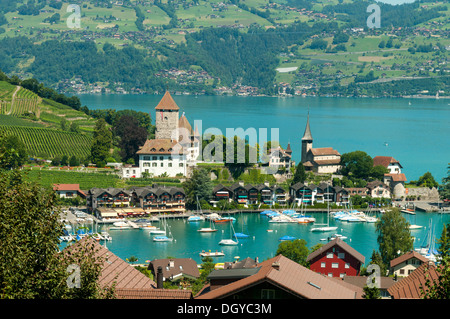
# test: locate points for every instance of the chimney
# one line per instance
(171, 263)
(276, 265)
(159, 278)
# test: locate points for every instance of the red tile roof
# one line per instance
(160, 147)
(411, 286)
(152, 293)
(407, 256)
(324, 151)
(384, 161)
(68, 187)
(397, 177)
(167, 103)
(292, 277)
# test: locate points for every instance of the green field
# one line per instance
(48, 143)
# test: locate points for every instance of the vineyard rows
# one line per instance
(39, 141)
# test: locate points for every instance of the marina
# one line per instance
(261, 237)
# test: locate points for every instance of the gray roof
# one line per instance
(307, 135)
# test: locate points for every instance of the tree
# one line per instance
(356, 164)
(299, 175)
(12, 152)
(296, 250)
(31, 266)
(438, 288)
(132, 136)
(444, 241)
(198, 186)
(73, 161)
(444, 191)
(102, 142)
(394, 236)
(427, 180)
(378, 172)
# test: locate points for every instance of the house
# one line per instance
(361, 281)
(175, 269)
(320, 160)
(174, 147)
(411, 287)
(128, 282)
(276, 278)
(69, 190)
(221, 192)
(388, 162)
(279, 158)
(405, 264)
(378, 189)
(336, 259)
(118, 202)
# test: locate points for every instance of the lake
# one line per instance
(413, 131)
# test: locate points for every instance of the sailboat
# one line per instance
(196, 217)
(157, 231)
(241, 235)
(210, 229)
(327, 227)
(164, 238)
(229, 242)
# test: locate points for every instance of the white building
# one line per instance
(175, 147)
(389, 162)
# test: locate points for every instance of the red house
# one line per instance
(336, 259)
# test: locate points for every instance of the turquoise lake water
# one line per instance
(416, 134)
(188, 242)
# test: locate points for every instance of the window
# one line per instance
(170, 164)
(161, 158)
(347, 265)
(330, 255)
(154, 164)
(334, 265)
(322, 265)
(181, 164)
(154, 158)
(341, 255)
(162, 164)
(342, 275)
(330, 274)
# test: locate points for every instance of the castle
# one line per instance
(175, 146)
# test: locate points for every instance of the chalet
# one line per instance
(221, 192)
(253, 194)
(275, 278)
(388, 162)
(342, 195)
(405, 264)
(69, 190)
(336, 259)
(279, 158)
(240, 193)
(176, 269)
(360, 191)
(117, 202)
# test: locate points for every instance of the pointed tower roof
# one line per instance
(288, 149)
(167, 103)
(307, 135)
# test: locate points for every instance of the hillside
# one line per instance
(47, 128)
(318, 47)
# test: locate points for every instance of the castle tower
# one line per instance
(307, 142)
(166, 118)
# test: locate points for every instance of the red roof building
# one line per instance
(69, 190)
(336, 259)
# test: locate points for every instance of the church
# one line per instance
(323, 160)
(175, 146)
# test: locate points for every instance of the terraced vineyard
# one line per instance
(50, 142)
(25, 101)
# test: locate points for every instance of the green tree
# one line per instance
(102, 142)
(438, 288)
(198, 186)
(12, 152)
(378, 172)
(295, 250)
(299, 175)
(427, 180)
(31, 266)
(444, 191)
(444, 241)
(394, 236)
(356, 164)
(73, 161)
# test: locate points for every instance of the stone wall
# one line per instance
(425, 193)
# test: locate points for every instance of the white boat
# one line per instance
(162, 238)
(157, 231)
(415, 226)
(147, 226)
(229, 242)
(120, 225)
(106, 236)
(212, 254)
(327, 227)
(195, 218)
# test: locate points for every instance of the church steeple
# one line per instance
(307, 135)
(307, 142)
